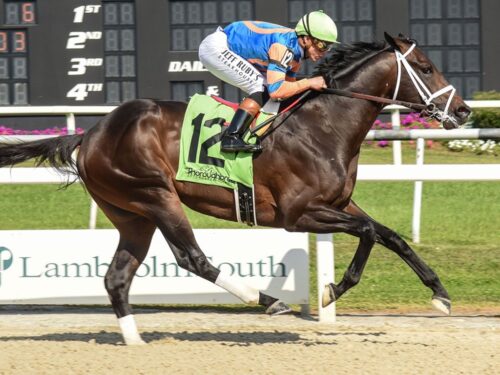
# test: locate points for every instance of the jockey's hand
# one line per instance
(317, 83)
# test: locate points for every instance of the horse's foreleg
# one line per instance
(178, 232)
(325, 219)
(394, 242)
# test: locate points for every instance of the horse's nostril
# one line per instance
(463, 112)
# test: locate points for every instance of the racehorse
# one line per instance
(304, 178)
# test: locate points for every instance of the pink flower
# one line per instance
(49, 131)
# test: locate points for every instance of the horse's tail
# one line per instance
(55, 152)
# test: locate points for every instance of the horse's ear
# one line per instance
(391, 41)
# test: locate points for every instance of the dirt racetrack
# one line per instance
(69, 340)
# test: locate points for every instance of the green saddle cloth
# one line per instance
(201, 159)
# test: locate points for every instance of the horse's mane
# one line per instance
(342, 60)
(346, 58)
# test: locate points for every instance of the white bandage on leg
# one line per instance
(129, 330)
(244, 292)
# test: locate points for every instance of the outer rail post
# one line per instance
(326, 274)
(417, 194)
(70, 123)
(396, 145)
(93, 214)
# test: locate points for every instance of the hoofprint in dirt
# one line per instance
(61, 340)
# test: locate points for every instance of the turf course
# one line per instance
(460, 234)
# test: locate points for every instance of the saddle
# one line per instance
(201, 159)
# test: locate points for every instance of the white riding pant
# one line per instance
(226, 65)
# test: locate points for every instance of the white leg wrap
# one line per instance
(129, 330)
(244, 292)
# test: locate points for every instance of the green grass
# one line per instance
(460, 233)
(469, 272)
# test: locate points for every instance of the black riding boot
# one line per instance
(232, 140)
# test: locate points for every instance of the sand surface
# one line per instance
(69, 340)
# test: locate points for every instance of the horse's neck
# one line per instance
(374, 80)
(334, 125)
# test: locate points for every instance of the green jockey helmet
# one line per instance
(317, 25)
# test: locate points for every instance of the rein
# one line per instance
(379, 99)
(428, 108)
(300, 100)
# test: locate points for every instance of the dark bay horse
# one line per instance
(303, 179)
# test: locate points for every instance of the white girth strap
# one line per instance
(426, 95)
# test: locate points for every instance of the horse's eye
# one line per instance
(427, 70)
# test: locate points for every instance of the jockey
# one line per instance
(253, 55)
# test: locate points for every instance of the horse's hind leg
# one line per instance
(173, 223)
(136, 233)
(394, 242)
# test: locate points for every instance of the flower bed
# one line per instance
(476, 146)
(414, 121)
(409, 121)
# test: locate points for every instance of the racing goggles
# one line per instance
(321, 45)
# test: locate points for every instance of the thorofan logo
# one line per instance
(6, 259)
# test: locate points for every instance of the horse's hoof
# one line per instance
(278, 308)
(328, 295)
(442, 304)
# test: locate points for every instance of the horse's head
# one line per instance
(418, 80)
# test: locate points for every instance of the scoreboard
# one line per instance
(67, 52)
(104, 52)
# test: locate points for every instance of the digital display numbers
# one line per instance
(14, 52)
(13, 67)
(12, 41)
(98, 61)
(20, 13)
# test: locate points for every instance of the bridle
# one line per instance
(424, 92)
(428, 109)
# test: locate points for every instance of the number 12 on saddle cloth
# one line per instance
(201, 159)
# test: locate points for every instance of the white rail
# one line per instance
(368, 172)
(325, 257)
(397, 172)
(71, 111)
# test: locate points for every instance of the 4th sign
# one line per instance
(81, 90)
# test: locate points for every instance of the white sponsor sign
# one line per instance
(186, 66)
(68, 266)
